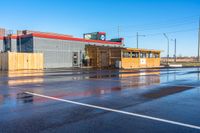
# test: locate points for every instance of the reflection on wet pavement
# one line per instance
(166, 90)
(25, 98)
(117, 89)
(90, 83)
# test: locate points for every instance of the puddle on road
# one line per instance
(165, 91)
(102, 76)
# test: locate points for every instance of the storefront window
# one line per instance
(157, 55)
(150, 55)
(135, 54)
(126, 54)
(143, 55)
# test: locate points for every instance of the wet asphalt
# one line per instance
(170, 94)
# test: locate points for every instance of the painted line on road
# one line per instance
(117, 111)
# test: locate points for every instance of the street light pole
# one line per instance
(167, 47)
(199, 42)
(137, 37)
(174, 49)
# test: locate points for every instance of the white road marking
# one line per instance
(117, 111)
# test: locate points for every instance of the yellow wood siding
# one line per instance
(129, 57)
(130, 63)
(21, 61)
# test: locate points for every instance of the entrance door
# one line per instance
(75, 59)
(104, 59)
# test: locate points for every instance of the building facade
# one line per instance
(126, 58)
(139, 58)
(59, 50)
(62, 51)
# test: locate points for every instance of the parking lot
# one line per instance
(100, 101)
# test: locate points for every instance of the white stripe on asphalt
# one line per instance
(118, 111)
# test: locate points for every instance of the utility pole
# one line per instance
(174, 49)
(137, 38)
(167, 47)
(199, 42)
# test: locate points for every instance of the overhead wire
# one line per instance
(167, 24)
(170, 32)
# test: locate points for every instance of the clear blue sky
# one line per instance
(178, 18)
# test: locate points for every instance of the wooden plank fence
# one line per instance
(21, 61)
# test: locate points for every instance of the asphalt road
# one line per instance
(100, 101)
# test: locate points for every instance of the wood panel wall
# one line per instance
(101, 57)
(128, 63)
(21, 61)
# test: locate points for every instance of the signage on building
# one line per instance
(142, 61)
(95, 36)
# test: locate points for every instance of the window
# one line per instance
(7, 44)
(126, 54)
(157, 55)
(150, 55)
(135, 54)
(143, 55)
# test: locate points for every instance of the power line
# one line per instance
(194, 29)
(164, 26)
(164, 21)
(169, 26)
(174, 21)
(160, 33)
(151, 28)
